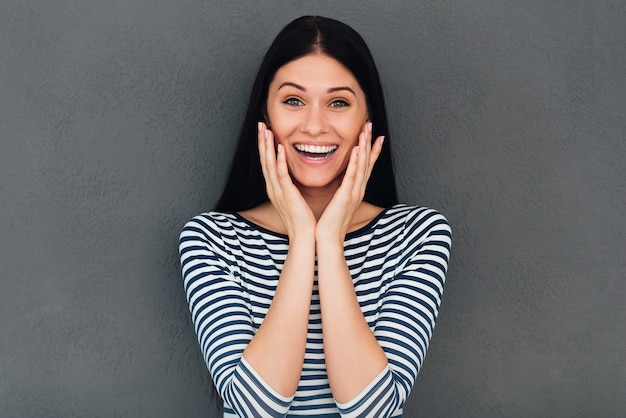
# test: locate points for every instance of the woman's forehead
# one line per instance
(314, 71)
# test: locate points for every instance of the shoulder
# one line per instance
(413, 212)
(208, 236)
(425, 238)
(208, 226)
(211, 220)
(215, 219)
(418, 221)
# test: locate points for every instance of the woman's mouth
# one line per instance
(315, 152)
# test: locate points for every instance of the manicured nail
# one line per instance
(356, 149)
(266, 134)
(382, 139)
(280, 148)
(369, 127)
(260, 126)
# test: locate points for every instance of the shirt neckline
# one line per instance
(357, 232)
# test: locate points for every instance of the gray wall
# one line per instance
(117, 120)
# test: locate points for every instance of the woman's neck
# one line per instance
(317, 202)
(319, 197)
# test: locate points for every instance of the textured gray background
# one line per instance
(117, 120)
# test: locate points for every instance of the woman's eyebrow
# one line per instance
(334, 89)
(289, 83)
(330, 90)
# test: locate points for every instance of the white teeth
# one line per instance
(316, 149)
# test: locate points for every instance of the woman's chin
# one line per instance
(317, 182)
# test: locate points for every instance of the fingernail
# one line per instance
(369, 127)
(356, 149)
(266, 134)
(280, 148)
(382, 139)
(260, 126)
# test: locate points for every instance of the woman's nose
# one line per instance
(314, 122)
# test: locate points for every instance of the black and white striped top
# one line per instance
(231, 268)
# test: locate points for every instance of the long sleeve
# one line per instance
(231, 268)
(222, 317)
(407, 313)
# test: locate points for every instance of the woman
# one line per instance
(312, 291)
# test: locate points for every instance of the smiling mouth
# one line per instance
(315, 152)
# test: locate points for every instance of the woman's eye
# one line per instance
(339, 103)
(292, 101)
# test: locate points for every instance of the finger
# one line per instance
(262, 143)
(367, 142)
(375, 153)
(263, 139)
(363, 160)
(270, 159)
(281, 168)
(348, 182)
(377, 147)
(373, 148)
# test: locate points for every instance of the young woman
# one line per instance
(312, 291)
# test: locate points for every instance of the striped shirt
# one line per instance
(231, 268)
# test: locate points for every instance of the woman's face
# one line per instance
(316, 110)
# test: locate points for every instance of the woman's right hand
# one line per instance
(284, 195)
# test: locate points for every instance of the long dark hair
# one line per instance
(245, 186)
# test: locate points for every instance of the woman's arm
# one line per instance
(277, 350)
(362, 381)
(353, 356)
(357, 360)
(222, 320)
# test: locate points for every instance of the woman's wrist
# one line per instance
(301, 238)
(325, 238)
(332, 246)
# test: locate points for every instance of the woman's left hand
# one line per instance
(339, 214)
